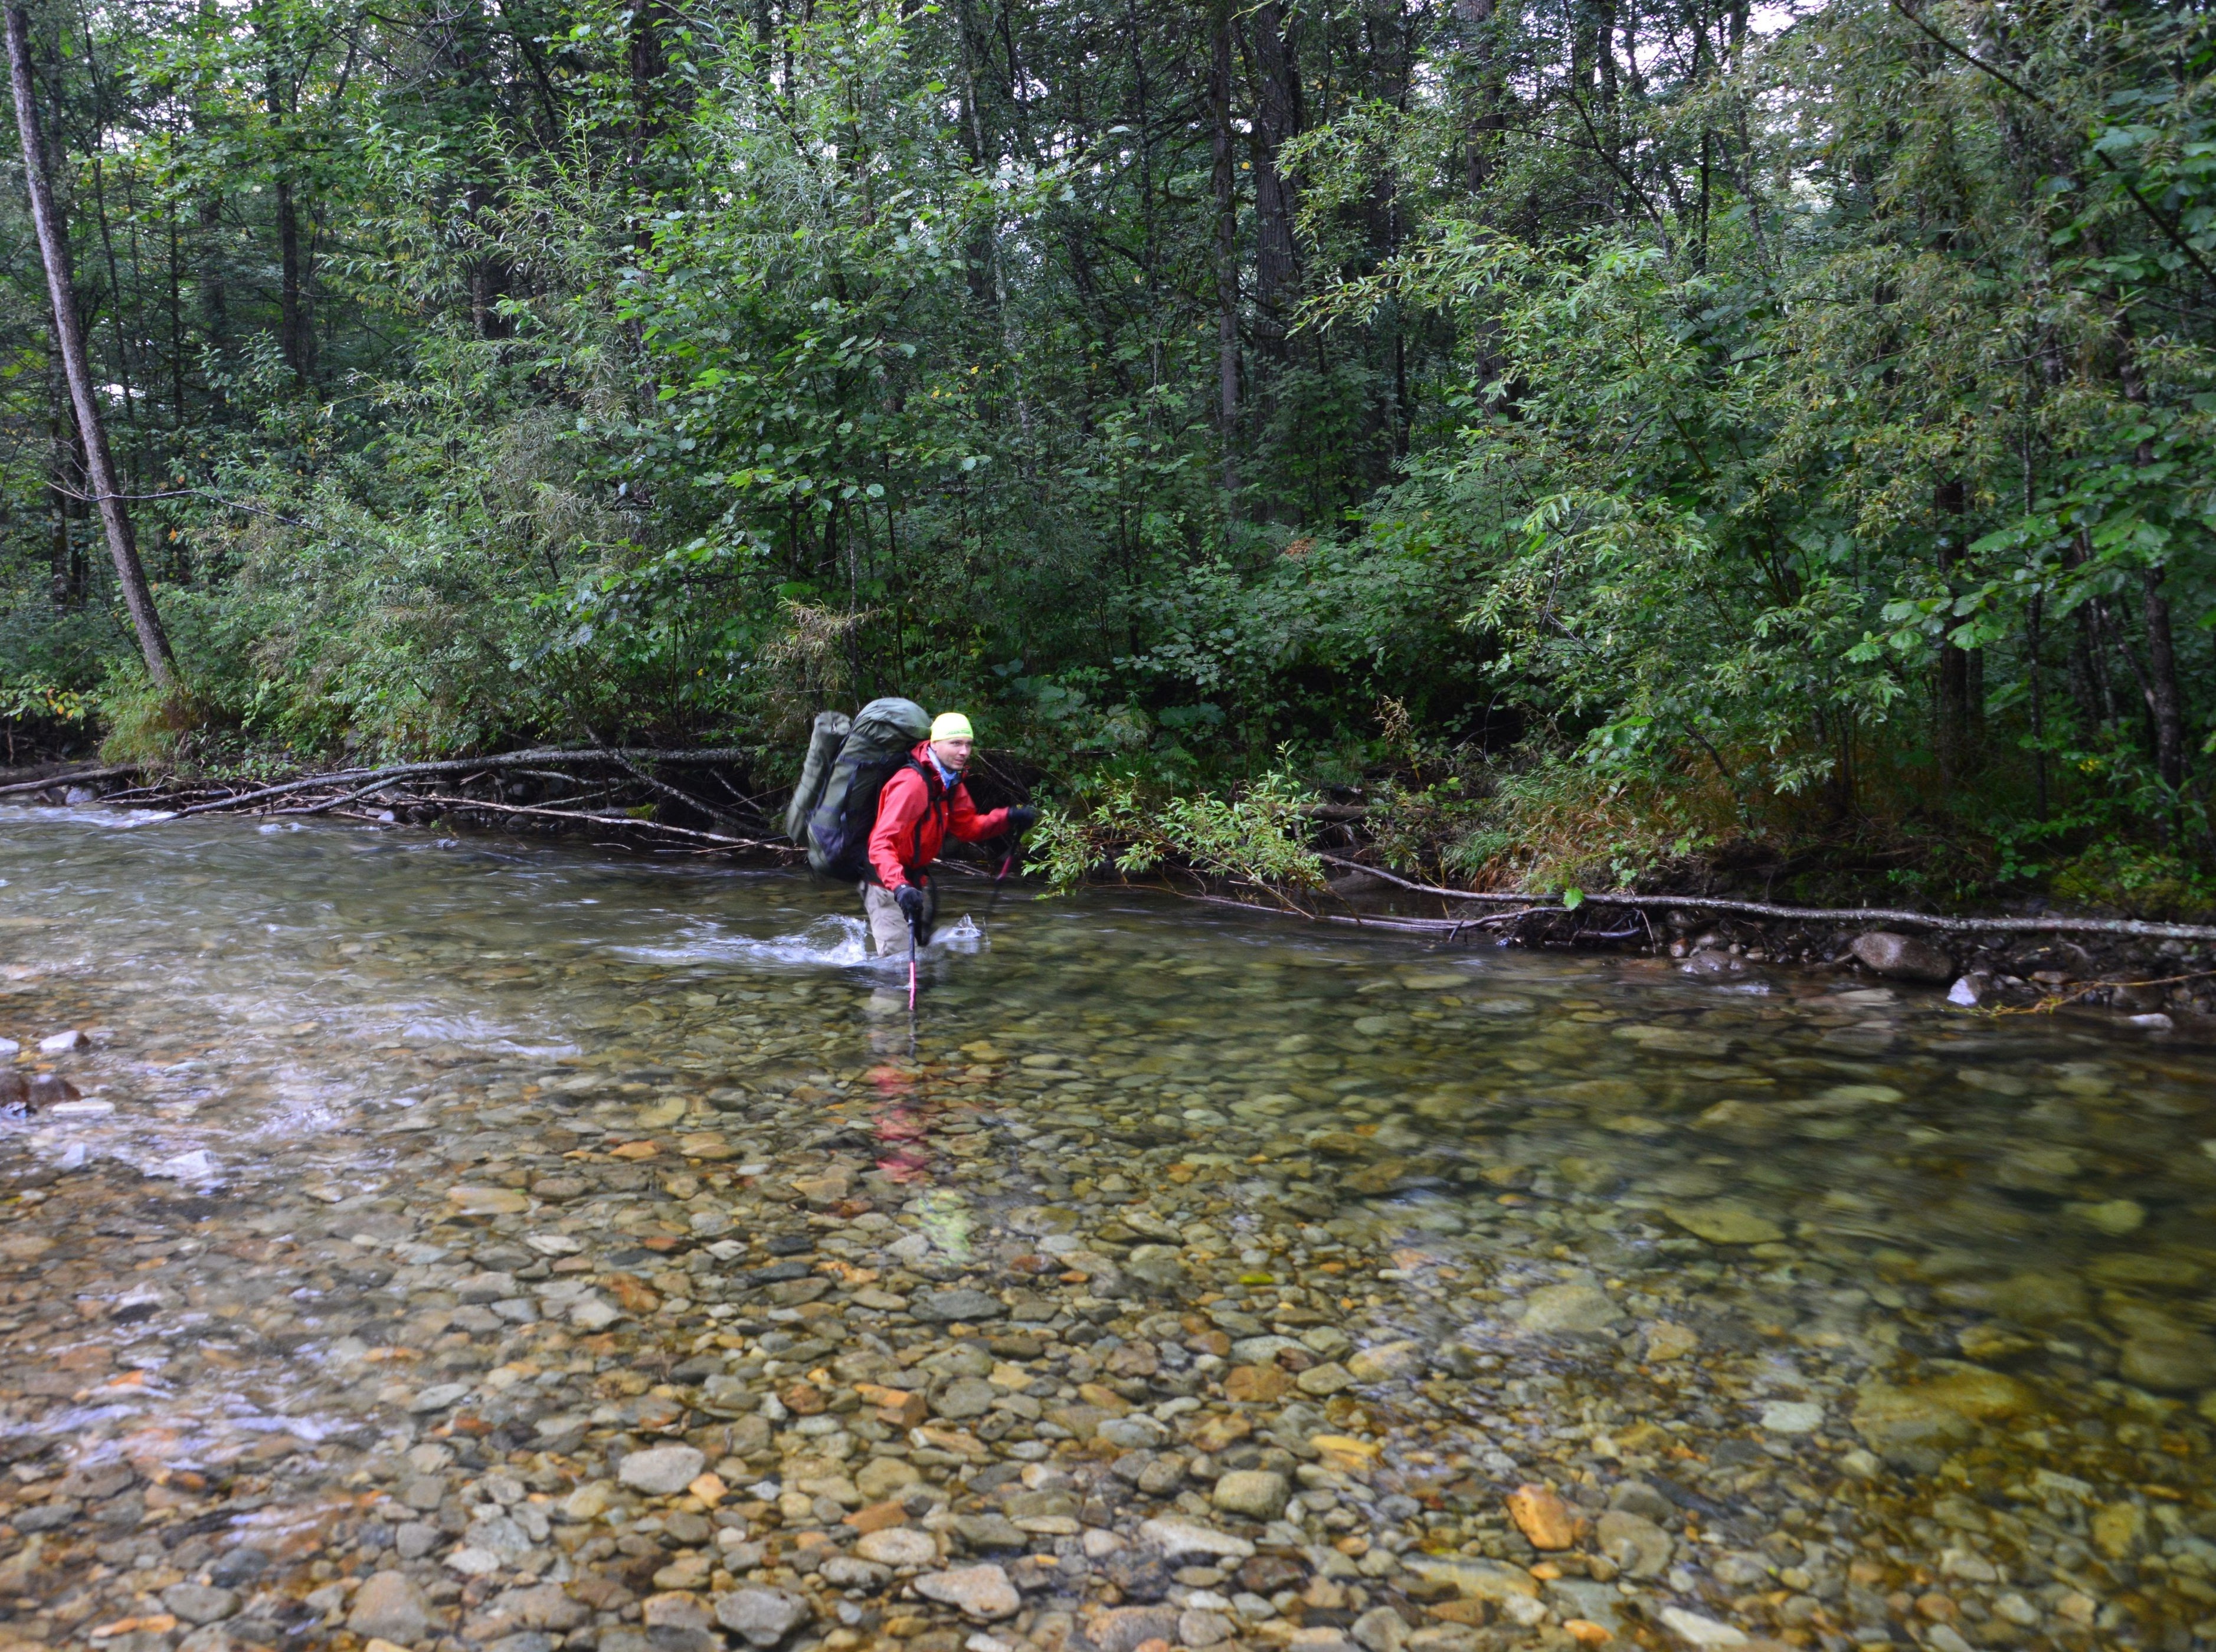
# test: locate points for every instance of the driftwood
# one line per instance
(370, 779)
(75, 777)
(717, 839)
(2135, 928)
(340, 790)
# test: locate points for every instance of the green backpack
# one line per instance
(835, 804)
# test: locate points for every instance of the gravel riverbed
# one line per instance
(454, 1247)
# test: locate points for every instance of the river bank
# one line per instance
(464, 1245)
(2032, 968)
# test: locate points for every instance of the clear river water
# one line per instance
(499, 1243)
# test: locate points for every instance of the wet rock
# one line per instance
(390, 1607)
(198, 1603)
(1381, 1629)
(882, 1478)
(65, 1043)
(487, 1201)
(981, 1592)
(1637, 1497)
(1180, 1539)
(1160, 1266)
(1473, 1579)
(1696, 1630)
(47, 1090)
(1257, 1494)
(981, 1532)
(1635, 1543)
(1792, 1417)
(1543, 1517)
(970, 1397)
(1902, 957)
(2117, 1217)
(761, 1617)
(1724, 1221)
(1143, 1574)
(1320, 1382)
(1578, 1308)
(947, 1307)
(664, 1471)
(2119, 1530)
(1387, 1362)
(897, 1546)
(1125, 1629)
(2169, 1360)
(1197, 1628)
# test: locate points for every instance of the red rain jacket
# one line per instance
(915, 813)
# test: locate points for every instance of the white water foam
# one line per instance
(830, 943)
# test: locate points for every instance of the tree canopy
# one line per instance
(1739, 420)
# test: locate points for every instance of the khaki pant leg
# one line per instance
(889, 926)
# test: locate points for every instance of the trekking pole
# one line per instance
(911, 975)
(1006, 863)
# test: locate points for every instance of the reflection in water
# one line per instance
(447, 1174)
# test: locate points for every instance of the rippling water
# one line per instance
(1893, 1318)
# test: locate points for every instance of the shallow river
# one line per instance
(502, 1245)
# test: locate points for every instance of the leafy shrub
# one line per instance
(1253, 837)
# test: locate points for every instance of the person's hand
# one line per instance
(1021, 819)
(912, 904)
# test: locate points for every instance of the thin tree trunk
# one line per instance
(1277, 122)
(1226, 249)
(1955, 741)
(296, 334)
(69, 331)
(1488, 90)
(2164, 703)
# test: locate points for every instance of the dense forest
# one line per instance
(1608, 432)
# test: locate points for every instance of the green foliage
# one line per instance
(1598, 444)
(2137, 881)
(1254, 838)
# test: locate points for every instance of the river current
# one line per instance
(493, 1243)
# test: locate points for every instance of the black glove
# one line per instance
(1021, 818)
(912, 905)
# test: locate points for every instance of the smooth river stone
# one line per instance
(1721, 1221)
(981, 1591)
(487, 1201)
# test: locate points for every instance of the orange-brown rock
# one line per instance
(1257, 1384)
(1543, 1517)
(898, 1407)
(1469, 1612)
(803, 1399)
(878, 1517)
(632, 1294)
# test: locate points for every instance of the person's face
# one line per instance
(954, 754)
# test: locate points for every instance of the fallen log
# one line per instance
(371, 779)
(75, 777)
(715, 838)
(2136, 928)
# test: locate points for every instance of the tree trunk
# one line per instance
(1226, 248)
(979, 257)
(296, 337)
(1956, 742)
(69, 331)
(1277, 122)
(2165, 704)
(66, 485)
(1488, 90)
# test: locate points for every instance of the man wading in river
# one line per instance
(923, 801)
